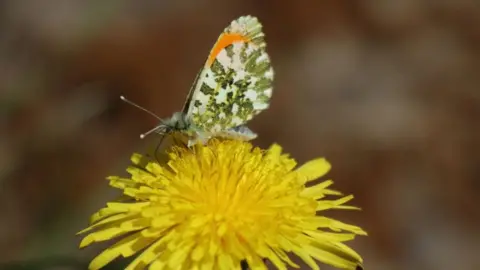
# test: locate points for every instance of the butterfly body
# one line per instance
(234, 85)
(180, 123)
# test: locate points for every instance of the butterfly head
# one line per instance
(177, 122)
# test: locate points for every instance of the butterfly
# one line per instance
(233, 86)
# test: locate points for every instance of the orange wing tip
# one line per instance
(243, 29)
(223, 41)
(248, 26)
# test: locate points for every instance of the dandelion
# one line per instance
(221, 204)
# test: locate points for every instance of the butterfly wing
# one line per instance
(239, 132)
(236, 82)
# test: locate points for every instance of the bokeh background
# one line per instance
(388, 91)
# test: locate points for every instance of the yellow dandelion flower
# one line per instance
(221, 204)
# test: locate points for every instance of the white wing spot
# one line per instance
(250, 48)
(237, 47)
(203, 100)
(210, 80)
(269, 73)
(235, 108)
(221, 96)
(236, 61)
(202, 97)
(262, 58)
(268, 92)
(240, 75)
(223, 58)
(253, 80)
(251, 94)
(236, 26)
(260, 105)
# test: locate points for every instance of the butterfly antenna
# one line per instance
(143, 135)
(140, 107)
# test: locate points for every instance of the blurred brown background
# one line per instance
(387, 90)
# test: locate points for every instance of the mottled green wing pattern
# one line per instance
(236, 81)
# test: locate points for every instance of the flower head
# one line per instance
(221, 204)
